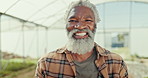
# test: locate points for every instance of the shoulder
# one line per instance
(112, 55)
(116, 64)
(116, 60)
(57, 54)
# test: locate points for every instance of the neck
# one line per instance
(81, 57)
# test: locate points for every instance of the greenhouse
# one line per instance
(31, 28)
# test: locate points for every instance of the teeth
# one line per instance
(80, 34)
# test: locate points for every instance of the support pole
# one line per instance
(130, 23)
(104, 27)
(37, 40)
(23, 42)
(46, 40)
(0, 44)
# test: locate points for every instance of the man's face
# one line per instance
(80, 18)
(81, 30)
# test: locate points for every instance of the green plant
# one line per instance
(13, 65)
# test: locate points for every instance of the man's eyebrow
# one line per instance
(72, 17)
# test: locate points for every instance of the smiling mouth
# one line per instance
(80, 35)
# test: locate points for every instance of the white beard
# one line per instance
(80, 46)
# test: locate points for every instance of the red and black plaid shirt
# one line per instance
(59, 64)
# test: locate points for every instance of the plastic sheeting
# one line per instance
(48, 13)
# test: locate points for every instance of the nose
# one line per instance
(80, 26)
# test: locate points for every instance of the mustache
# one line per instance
(94, 31)
(72, 32)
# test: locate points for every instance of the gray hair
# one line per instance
(83, 3)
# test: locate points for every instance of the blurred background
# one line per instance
(31, 28)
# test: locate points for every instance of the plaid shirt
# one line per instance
(59, 64)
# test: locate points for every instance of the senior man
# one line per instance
(81, 57)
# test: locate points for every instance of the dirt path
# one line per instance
(26, 73)
(138, 70)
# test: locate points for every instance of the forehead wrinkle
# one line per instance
(74, 13)
(89, 17)
(83, 17)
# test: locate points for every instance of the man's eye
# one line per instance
(88, 20)
(72, 21)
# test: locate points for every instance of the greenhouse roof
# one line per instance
(48, 13)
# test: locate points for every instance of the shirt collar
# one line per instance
(101, 51)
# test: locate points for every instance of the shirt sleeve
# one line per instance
(123, 70)
(39, 73)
